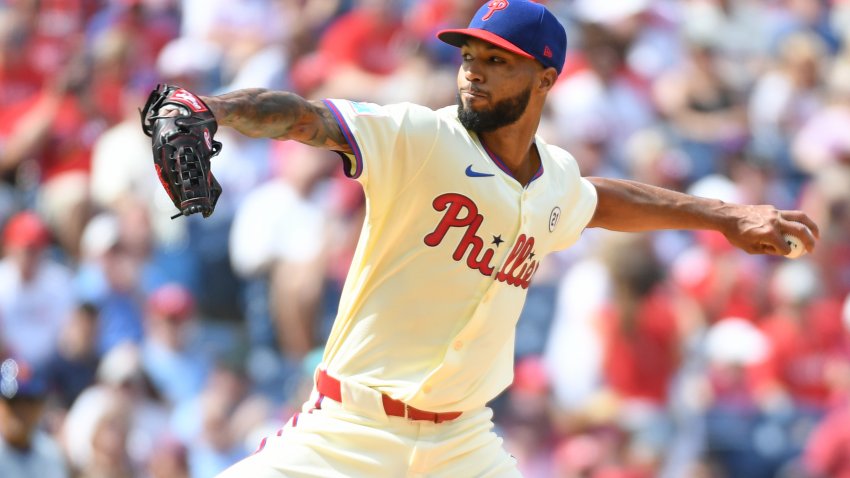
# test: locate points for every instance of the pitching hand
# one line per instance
(759, 229)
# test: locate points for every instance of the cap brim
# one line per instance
(458, 37)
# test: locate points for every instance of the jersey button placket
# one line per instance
(523, 221)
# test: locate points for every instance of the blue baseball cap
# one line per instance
(19, 380)
(519, 26)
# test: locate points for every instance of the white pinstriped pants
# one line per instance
(360, 440)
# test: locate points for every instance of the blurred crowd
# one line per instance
(138, 346)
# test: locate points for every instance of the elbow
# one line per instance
(599, 219)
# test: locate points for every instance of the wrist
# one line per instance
(212, 104)
(722, 216)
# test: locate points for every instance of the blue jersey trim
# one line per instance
(539, 170)
(349, 138)
(498, 162)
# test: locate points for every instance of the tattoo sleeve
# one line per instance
(261, 113)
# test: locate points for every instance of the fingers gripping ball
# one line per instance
(797, 247)
(181, 127)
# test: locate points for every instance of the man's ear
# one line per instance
(548, 77)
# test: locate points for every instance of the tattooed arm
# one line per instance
(261, 113)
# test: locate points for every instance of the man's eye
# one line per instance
(497, 59)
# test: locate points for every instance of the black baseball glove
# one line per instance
(181, 127)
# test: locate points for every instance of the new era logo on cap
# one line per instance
(522, 27)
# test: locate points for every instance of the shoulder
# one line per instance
(420, 113)
(561, 160)
(449, 113)
(46, 447)
(394, 116)
(6, 268)
(367, 109)
(45, 455)
(10, 281)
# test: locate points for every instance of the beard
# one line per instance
(505, 112)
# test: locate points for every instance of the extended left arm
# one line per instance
(632, 207)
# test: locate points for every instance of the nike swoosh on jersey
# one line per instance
(476, 174)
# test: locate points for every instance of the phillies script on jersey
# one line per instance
(461, 211)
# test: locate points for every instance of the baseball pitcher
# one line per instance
(462, 205)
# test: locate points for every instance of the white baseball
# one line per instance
(797, 248)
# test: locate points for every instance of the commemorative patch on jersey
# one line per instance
(554, 216)
(366, 109)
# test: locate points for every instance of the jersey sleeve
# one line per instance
(390, 143)
(581, 199)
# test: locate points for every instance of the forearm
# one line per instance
(261, 113)
(258, 112)
(631, 206)
(30, 133)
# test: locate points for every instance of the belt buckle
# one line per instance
(407, 412)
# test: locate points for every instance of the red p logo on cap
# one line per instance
(494, 7)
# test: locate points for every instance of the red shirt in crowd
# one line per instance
(364, 39)
(640, 360)
(801, 352)
(69, 143)
(828, 450)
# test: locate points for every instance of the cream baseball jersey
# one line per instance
(449, 246)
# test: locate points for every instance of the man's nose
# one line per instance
(473, 73)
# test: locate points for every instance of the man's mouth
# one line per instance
(473, 92)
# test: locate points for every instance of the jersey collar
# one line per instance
(501, 164)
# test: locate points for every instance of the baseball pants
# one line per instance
(358, 439)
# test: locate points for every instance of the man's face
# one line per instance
(26, 258)
(494, 86)
(19, 417)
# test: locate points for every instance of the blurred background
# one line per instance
(145, 347)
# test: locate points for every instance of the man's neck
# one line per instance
(514, 146)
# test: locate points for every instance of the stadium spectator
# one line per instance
(122, 403)
(276, 253)
(73, 366)
(786, 96)
(35, 291)
(171, 460)
(805, 336)
(25, 450)
(828, 449)
(600, 103)
(108, 277)
(703, 108)
(170, 353)
(640, 330)
(826, 453)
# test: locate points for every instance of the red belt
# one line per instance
(330, 387)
